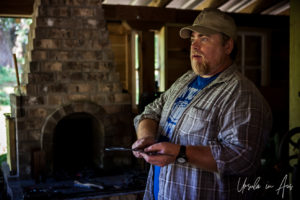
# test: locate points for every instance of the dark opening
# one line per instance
(76, 147)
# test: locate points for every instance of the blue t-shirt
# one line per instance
(177, 109)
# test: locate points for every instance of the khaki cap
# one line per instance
(211, 21)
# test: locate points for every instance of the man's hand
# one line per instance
(167, 153)
(146, 133)
(142, 144)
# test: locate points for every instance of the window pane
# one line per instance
(136, 51)
(137, 89)
(156, 51)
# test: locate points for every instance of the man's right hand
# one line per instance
(142, 144)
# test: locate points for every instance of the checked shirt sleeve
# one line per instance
(154, 110)
(244, 124)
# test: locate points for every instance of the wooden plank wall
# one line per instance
(177, 60)
(120, 37)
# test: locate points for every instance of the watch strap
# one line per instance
(182, 152)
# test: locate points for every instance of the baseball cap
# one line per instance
(211, 21)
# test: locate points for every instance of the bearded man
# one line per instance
(208, 130)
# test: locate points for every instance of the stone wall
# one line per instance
(69, 67)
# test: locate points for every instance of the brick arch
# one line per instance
(47, 132)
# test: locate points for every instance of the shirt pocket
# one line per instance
(199, 127)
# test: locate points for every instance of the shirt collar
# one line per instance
(224, 76)
(227, 74)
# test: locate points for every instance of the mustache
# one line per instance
(195, 53)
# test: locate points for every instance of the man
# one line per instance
(207, 131)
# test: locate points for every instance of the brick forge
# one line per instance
(71, 97)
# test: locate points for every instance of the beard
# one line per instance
(200, 68)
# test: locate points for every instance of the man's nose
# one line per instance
(195, 44)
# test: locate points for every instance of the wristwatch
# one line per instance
(181, 158)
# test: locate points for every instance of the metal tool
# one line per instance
(151, 153)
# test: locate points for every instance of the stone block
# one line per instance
(60, 33)
(105, 87)
(68, 109)
(122, 98)
(51, 67)
(70, 44)
(96, 44)
(76, 76)
(31, 89)
(114, 76)
(89, 66)
(34, 100)
(55, 99)
(83, 12)
(33, 123)
(21, 125)
(62, 12)
(78, 107)
(110, 98)
(47, 44)
(80, 88)
(37, 55)
(107, 54)
(34, 66)
(88, 34)
(77, 97)
(48, 11)
(71, 66)
(40, 77)
(38, 112)
(88, 55)
(117, 87)
(98, 98)
(90, 23)
(63, 77)
(57, 88)
(57, 116)
(29, 136)
(60, 55)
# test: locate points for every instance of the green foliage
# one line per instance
(7, 75)
(3, 158)
(4, 98)
(17, 35)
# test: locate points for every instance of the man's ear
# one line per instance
(229, 46)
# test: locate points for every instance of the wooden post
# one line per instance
(11, 143)
(17, 70)
(147, 83)
(294, 65)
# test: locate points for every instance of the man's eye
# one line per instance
(204, 39)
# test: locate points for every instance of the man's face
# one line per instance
(208, 54)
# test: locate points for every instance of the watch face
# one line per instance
(181, 160)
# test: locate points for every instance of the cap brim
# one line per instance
(186, 31)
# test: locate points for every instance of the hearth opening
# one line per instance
(77, 146)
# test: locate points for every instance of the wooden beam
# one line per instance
(151, 16)
(147, 62)
(143, 15)
(16, 8)
(159, 3)
(250, 7)
(210, 4)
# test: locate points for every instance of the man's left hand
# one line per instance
(166, 153)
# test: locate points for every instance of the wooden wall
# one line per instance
(120, 40)
(177, 60)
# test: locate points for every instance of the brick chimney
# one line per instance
(69, 72)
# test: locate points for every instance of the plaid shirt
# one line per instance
(231, 117)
